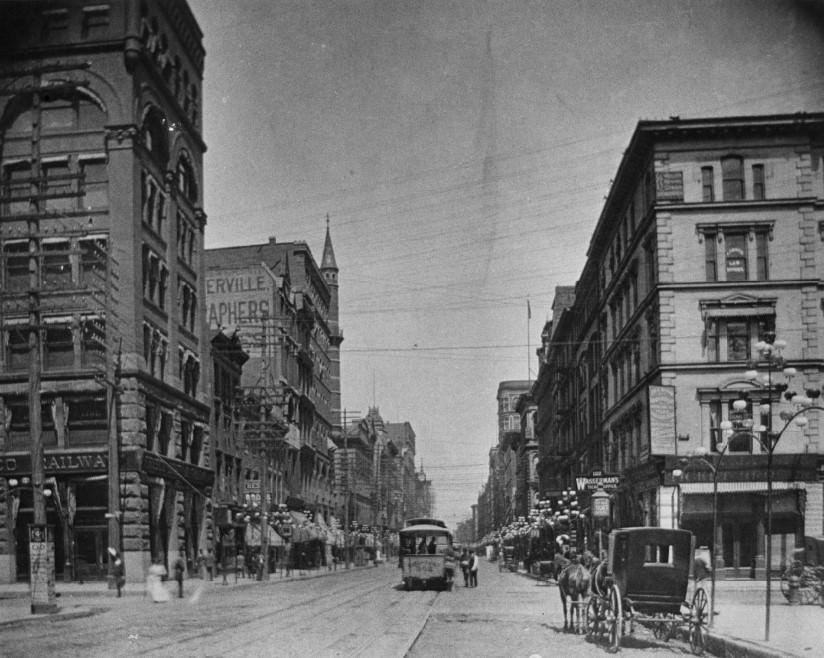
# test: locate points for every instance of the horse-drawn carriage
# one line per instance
(646, 581)
(803, 579)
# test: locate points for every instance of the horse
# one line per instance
(559, 563)
(573, 584)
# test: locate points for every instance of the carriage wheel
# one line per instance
(599, 579)
(785, 584)
(593, 621)
(613, 619)
(698, 621)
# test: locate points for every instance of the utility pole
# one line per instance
(348, 492)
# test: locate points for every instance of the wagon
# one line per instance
(803, 579)
(646, 582)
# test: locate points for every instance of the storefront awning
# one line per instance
(739, 487)
(253, 536)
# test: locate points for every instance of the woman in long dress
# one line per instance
(154, 582)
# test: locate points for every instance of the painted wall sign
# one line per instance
(238, 297)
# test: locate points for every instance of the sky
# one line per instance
(462, 151)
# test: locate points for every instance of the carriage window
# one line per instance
(658, 554)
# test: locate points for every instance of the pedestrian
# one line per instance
(179, 569)
(118, 571)
(473, 569)
(240, 565)
(201, 564)
(465, 567)
(154, 581)
(210, 564)
(449, 565)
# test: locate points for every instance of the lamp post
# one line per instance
(769, 356)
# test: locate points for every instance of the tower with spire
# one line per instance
(329, 269)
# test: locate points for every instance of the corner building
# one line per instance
(709, 241)
(101, 190)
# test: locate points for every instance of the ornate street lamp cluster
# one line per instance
(770, 358)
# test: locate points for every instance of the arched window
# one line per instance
(186, 184)
(155, 137)
(732, 171)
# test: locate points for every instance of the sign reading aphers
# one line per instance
(238, 297)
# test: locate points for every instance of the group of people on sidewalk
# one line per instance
(469, 568)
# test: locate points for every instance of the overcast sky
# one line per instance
(462, 150)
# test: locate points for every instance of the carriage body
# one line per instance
(647, 581)
(651, 567)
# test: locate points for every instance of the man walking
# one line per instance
(180, 568)
(473, 569)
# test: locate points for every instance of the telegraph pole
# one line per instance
(346, 548)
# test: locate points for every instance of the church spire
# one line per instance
(328, 261)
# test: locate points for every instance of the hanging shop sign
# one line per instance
(598, 480)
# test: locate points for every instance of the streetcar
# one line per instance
(426, 555)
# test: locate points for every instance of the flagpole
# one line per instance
(528, 333)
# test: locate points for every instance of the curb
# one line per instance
(57, 616)
(728, 646)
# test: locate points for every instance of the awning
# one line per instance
(736, 487)
(253, 536)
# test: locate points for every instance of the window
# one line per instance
(58, 348)
(707, 187)
(186, 180)
(710, 257)
(17, 348)
(16, 257)
(732, 173)
(93, 252)
(155, 137)
(16, 188)
(732, 338)
(94, 186)
(758, 189)
(57, 266)
(55, 22)
(95, 21)
(658, 554)
(87, 420)
(736, 256)
(57, 186)
(93, 342)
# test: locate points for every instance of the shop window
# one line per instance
(58, 352)
(732, 172)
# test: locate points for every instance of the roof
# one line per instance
(424, 530)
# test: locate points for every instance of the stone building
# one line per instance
(101, 156)
(285, 310)
(709, 243)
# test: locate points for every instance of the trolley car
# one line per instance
(646, 582)
(424, 558)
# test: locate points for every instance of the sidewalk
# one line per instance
(740, 613)
(76, 600)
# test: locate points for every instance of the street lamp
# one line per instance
(769, 356)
